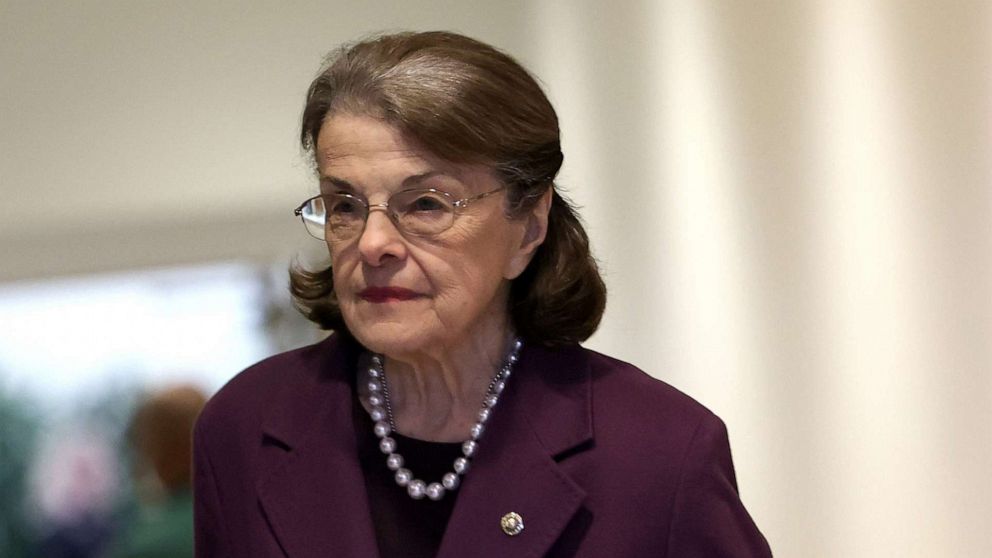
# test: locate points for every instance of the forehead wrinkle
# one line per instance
(335, 153)
(364, 156)
(357, 154)
(408, 166)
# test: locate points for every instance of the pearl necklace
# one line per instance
(382, 417)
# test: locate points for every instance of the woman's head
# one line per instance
(460, 105)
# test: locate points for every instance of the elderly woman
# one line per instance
(453, 413)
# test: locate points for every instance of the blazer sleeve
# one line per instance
(709, 519)
(209, 529)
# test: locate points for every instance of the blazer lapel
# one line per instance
(314, 495)
(544, 414)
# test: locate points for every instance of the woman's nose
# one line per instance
(380, 241)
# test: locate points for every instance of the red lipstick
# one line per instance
(387, 294)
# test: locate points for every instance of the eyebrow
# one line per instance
(407, 182)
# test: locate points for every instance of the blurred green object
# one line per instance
(160, 434)
(19, 428)
(164, 530)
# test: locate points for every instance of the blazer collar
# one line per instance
(312, 489)
(555, 394)
(311, 486)
(544, 414)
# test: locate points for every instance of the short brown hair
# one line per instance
(161, 431)
(466, 102)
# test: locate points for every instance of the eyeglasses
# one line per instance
(341, 216)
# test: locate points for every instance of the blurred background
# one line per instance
(791, 202)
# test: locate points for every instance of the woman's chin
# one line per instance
(392, 339)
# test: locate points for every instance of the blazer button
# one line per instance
(512, 524)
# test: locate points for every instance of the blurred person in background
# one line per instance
(453, 413)
(161, 437)
(74, 484)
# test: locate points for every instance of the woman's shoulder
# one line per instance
(670, 456)
(245, 399)
(262, 380)
(615, 378)
(625, 396)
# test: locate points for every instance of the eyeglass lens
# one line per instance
(341, 216)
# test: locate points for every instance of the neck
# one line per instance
(437, 396)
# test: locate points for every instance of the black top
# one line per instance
(404, 527)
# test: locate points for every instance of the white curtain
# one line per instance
(793, 206)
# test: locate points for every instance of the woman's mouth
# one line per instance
(387, 294)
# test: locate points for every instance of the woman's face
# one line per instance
(411, 296)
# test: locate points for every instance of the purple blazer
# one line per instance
(597, 457)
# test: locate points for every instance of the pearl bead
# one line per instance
(387, 445)
(450, 481)
(476, 431)
(416, 489)
(378, 399)
(435, 491)
(381, 429)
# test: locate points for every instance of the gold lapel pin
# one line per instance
(512, 524)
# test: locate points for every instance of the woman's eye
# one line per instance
(426, 204)
(342, 206)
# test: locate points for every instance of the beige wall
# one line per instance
(792, 203)
(138, 133)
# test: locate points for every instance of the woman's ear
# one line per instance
(535, 223)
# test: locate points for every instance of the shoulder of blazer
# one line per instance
(573, 394)
(647, 425)
(616, 379)
(278, 391)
